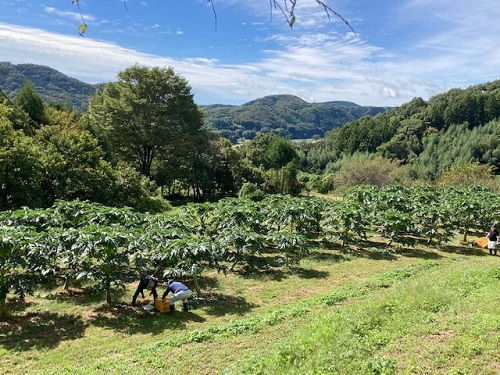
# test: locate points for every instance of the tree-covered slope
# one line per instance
(459, 126)
(52, 85)
(285, 115)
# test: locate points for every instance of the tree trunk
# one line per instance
(196, 285)
(3, 310)
(66, 283)
(108, 295)
(108, 290)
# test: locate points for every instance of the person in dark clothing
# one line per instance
(147, 282)
(492, 237)
(180, 292)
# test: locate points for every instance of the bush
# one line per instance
(376, 171)
(136, 191)
(251, 191)
(468, 174)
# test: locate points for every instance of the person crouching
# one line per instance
(148, 282)
(180, 293)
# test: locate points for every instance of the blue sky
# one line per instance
(401, 49)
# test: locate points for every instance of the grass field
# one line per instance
(354, 311)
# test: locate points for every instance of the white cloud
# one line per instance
(69, 15)
(93, 61)
(388, 92)
(201, 60)
(456, 47)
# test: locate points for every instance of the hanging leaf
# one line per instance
(82, 28)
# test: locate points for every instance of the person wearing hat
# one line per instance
(147, 282)
(180, 292)
(492, 239)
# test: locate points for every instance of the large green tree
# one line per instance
(21, 167)
(30, 102)
(148, 112)
(76, 168)
(277, 160)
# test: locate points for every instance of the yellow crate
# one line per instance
(162, 306)
(482, 242)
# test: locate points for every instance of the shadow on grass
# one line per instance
(372, 252)
(382, 251)
(328, 256)
(132, 320)
(40, 330)
(83, 296)
(418, 253)
(310, 273)
(465, 250)
(263, 274)
(375, 250)
(217, 304)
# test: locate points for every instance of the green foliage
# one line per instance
(30, 102)
(251, 191)
(63, 161)
(458, 145)
(22, 169)
(369, 170)
(279, 152)
(24, 260)
(75, 240)
(131, 189)
(276, 158)
(255, 150)
(226, 165)
(147, 115)
(457, 127)
(381, 366)
(77, 169)
(467, 174)
(282, 181)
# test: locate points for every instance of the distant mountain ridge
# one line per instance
(285, 115)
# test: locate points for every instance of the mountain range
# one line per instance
(285, 115)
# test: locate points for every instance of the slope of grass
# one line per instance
(415, 311)
(440, 322)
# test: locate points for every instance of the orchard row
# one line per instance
(106, 246)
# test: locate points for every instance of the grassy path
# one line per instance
(374, 312)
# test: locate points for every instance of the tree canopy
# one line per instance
(147, 113)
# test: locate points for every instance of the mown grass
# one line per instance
(361, 311)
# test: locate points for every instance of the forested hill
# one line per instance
(285, 115)
(457, 127)
(52, 85)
